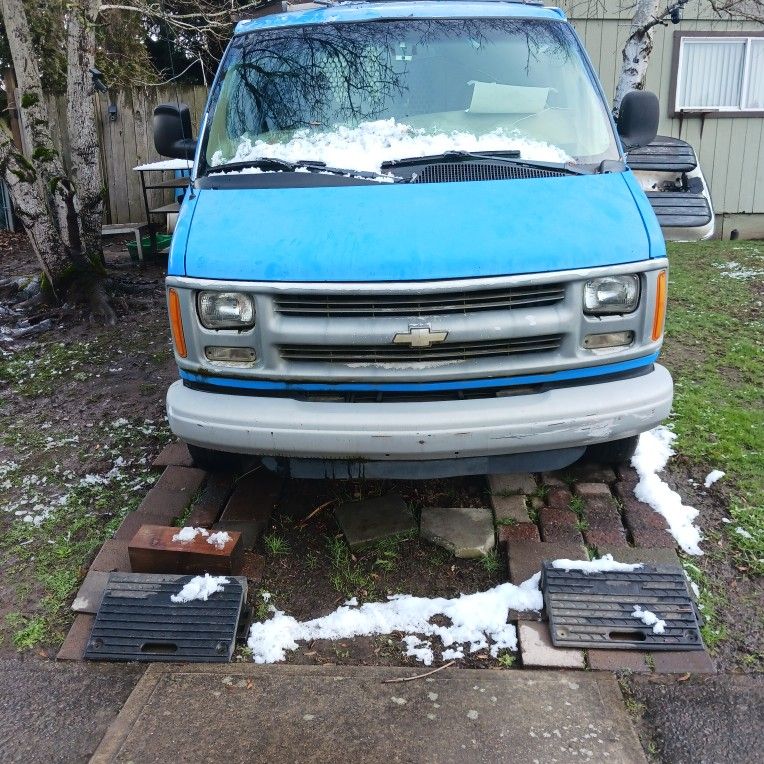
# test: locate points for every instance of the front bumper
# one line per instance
(559, 418)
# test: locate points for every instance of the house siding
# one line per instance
(730, 149)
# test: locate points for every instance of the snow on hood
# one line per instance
(365, 147)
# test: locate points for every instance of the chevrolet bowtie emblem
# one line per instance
(419, 337)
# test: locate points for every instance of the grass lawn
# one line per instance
(715, 350)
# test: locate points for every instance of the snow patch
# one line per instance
(735, 270)
(652, 455)
(370, 144)
(712, 477)
(650, 619)
(743, 532)
(189, 533)
(476, 620)
(604, 564)
(200, 588)
(218, 539)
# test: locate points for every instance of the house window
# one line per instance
(720, 73)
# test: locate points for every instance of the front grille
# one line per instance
(451, 352)
(454, 172)
(339, 305)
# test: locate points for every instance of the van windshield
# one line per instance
(354, 95)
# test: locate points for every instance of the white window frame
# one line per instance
(718, 37)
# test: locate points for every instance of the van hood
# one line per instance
(409, 232)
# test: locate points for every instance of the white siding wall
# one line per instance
(731, 149)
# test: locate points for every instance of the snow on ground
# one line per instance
(200, 588)
(652, 455)
(603, 564)
(735, 270)
(476, 621)
(743, 532)
(365, 147)
(650, 619)
(189, 533)
(712, 477)
(219, 539)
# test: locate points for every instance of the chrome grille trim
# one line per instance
(451, 352)
(340, 305)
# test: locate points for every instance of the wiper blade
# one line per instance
(306, 165)
(368, 174)
(265, 163)
(454, 154)
(511, 156)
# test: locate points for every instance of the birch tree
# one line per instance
(649, 14)
(60, 211)
(60, 204)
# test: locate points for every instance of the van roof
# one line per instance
(368, 10)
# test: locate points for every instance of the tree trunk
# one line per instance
(33, 182)
(81, 114)
(61, 214)
(636, 51)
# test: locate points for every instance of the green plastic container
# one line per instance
(163, 241)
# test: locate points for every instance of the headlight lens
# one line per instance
(226, 310)
(611, 294)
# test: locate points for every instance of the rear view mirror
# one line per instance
(172, 131)
(638, 119)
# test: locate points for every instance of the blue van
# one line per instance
(413, 247)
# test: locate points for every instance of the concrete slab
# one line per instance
(291, 713)
(465, 531)
(369, 520)
(537, 650)
(90, 593)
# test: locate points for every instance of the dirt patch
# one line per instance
(735, 596)
(319, 573)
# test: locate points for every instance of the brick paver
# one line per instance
(173, 454)
(518, 532)
(521, 482)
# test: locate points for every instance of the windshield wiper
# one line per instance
(310, 165)
(511, 156)
(261, 163)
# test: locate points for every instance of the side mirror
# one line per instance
(172, 131)
(638, 119)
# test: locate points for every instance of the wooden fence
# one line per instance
(126, 142)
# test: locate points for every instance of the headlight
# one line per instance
(611, 294)
(226, 310)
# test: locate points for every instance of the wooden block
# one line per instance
(208, 507)
(173, 455)
(152, 550)
(78, 636)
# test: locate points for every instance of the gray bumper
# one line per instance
(559, 418)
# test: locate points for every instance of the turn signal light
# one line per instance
(660, 305)
(176, 323)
